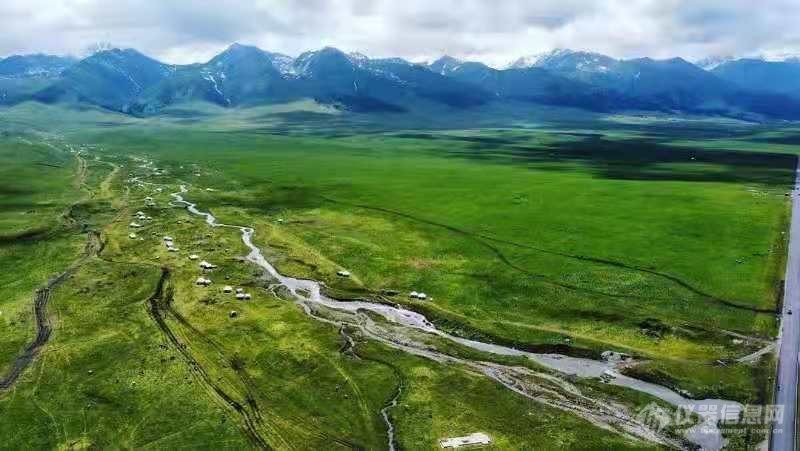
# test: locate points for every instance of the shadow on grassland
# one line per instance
(632, 159)
(784, 139)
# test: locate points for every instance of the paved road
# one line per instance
(783, 432)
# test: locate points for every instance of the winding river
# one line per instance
(411, 332)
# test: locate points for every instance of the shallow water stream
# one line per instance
(408, 326)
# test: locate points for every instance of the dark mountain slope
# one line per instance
(23, 75)
(112, 79)
(762, 76)
(537, 85)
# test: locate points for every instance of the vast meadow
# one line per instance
(662, 241)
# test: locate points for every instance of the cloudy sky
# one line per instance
(493, 31)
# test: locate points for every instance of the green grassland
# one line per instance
(40, 186)
(664, 241)
(528, 243)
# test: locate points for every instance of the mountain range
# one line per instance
(127, 81)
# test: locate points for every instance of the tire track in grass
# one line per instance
(500, 255)
(622, 265)
(236, 364)
(43, 332)
(160, 306)
(156, 308)
(250, 387)
(238, 367)
(44, 329)
(482, 240)
(358, 394)
(93, 247)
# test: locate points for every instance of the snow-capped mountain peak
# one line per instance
(358, 59)
(780, 57)
(712, 62)
(445, 65)
(536, 59)
(283, 64)
(561, 59)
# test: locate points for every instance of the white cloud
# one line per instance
(494, 31)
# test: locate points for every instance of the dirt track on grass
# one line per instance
(41, 297)
(44, 329)
(157, 307)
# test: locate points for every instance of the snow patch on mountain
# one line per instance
(301, 68)
(284, 64)
(566, 59)
(383, 67)
(780, 57)
(137, 87)
(537, 59)
(214, 85)
(446, 65)
(712, 62)
(33, 66)
(358, 59)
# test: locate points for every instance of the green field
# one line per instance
(665, 241)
